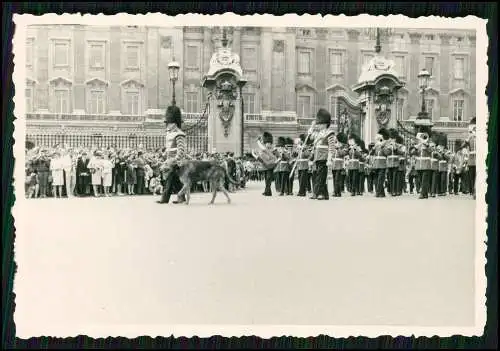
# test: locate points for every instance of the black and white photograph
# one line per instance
(249, 175)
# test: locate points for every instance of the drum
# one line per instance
(434, 164)
(320, 153)
(352, 164)
(422, 163)
(379, 162)
(392, 161)
(337, 163)
(443, 166)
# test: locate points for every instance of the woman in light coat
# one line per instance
(107, 174)
(67, 165)
(57, 173)
(95, 166)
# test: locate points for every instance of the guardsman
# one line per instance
(280, 145)
(292, 150)
(369, 168)
(324, 146)
(379, 158)
(175, 153)
(267, 141)
(471, 161)
(422, 154)
(338, 160)
(434, 164)
(391, 149)
(444, 159)
(400, 172)
(411, 171)
(362, 167)
(302, 165)
(352, 164)
(282, 169)
(458, 165)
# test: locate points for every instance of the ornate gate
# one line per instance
(196, 130)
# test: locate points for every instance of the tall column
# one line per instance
(266, 46)
(471, 86)
(80, 64)
(414, 101)
(353, 58)
(207, 55)
(42, 68)
(291, 68)
(115, 52)
(152, 60)
(236, 47)
(445, 73)
(319, 75)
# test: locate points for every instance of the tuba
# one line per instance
(264, 155)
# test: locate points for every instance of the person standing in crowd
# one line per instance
(340, 154)
(401, 170)
(324, 148)
(83, 174)
(68, 171)
(352, 164)
(379, 159)
(140, 173)
(369, 168)
(57, 174)
(95, 167)
(292, 152)
(107, 173)
(266, 145)
(42, 167)
(423, 163)
(471, 159)
(411, 171)
(282, 169)
(392, 161)
(130, 173)
(302, 165)
(175, 150)
(434, 174)
(458, 165)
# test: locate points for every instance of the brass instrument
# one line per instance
(264, 155)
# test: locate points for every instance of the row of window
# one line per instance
(337, 63)
(337, 60)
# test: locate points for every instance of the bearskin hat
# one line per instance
(399, 139)
(302, 137)
(281, 141)
(458, 144)
(288, 141)
(323, 117)
(384, 133)
(472, 121)
(173, 115)
(393, 133)
(362, 145)
(341, 137)
(267, 138)
(443, 140)
(371, 145)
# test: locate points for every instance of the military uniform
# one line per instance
(175, 153)
(267, 139)
(379, 158)
(422, 155)
(471, 161)
(338, 164)
(353, 164)
(302, 167)
(369, 168)
(392, 162)
(324, 146)
(401, 171)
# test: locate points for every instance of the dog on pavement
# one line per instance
(193, 171)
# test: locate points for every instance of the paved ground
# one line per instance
(280, 260)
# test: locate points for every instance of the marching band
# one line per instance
(424, 166)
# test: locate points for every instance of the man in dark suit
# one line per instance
(82, 175)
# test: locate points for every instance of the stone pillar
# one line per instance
(42, 68)
(319, 75)
(266, 47)
(414, 101)
(207, 55)
(236, 47)
(471, 86)
(80, 45)
(445, 74)
(152, 60)
(115, 51)
(353, 57)
(291, 68)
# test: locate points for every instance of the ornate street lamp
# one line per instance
(423, 118)
(173, 70)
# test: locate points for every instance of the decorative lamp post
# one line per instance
(423, 117)
(173, 70)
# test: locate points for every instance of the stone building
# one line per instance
(112, 83)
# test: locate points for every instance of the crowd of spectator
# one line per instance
(62, 171)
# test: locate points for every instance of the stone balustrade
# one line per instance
(83, 117)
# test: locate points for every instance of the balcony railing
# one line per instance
(438, 124)
(276, 118)
(84, 117)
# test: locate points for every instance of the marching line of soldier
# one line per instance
(387, 166)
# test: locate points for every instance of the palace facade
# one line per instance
(84, 82)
